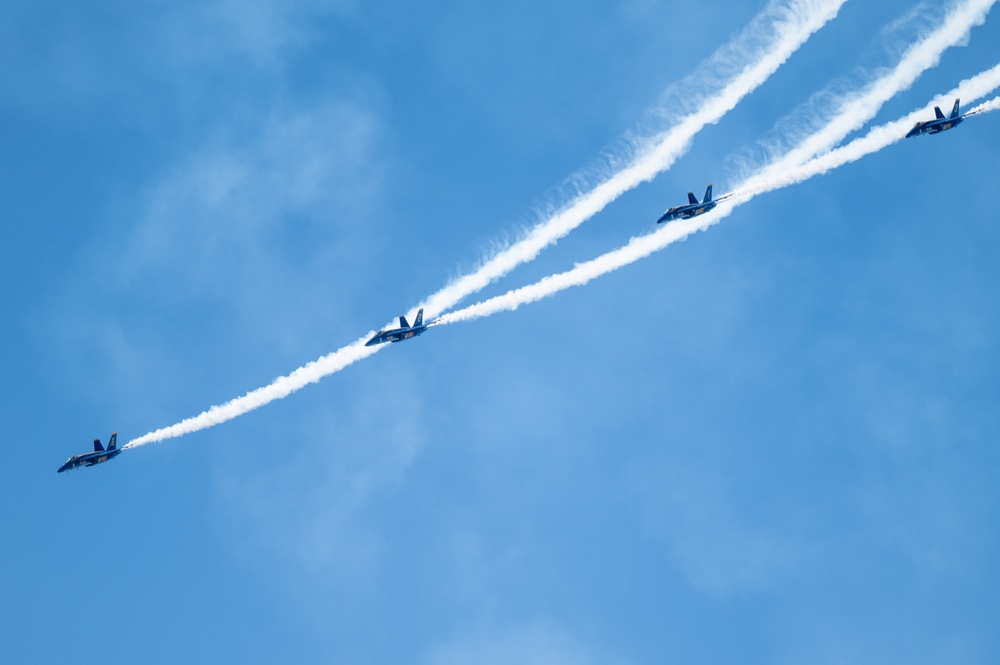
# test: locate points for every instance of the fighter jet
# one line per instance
(940, 123)
(693, 208)
(405, 331)
(90, 459)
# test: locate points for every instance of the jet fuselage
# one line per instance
(99, 455)
(693, 207)
(934, 126)
(940, 123)
(686, 212)
(397, 335)
(404, 331)
(88, 459)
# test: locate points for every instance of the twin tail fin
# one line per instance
(112, 443)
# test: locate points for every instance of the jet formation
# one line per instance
(940, 123)
(405, 331)
(90, 459)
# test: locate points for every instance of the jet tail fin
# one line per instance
(954, 110)
(113, 441)
(708, 195)
(937, 113)
(419, 321)
(692, 199)
(403, 323)
(98, 448)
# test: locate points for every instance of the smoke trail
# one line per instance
(853, 112)
(770, 39)
(986, 107)
(279, 388)
(642, 246)
(791, 32)
(856, 109)
(879, 137)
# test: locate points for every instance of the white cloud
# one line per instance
(260, 31)
(247, 183)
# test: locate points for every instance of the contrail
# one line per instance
(767, 42)
(642, 246)
(770, 39)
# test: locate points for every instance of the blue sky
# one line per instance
(774, 442)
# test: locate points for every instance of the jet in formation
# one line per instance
(940, 123)
(693, 207)
(90, 459)
(405, 331)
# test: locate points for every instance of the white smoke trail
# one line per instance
(976, 87)
(858, 108)
(770, 39)
(279, 388)
(642, 246)
(925, 54)
(986, 107)
(853, 112)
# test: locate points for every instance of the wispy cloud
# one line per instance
(314, 504)
(260, 32)
(215, 221)
(262, 217)
(75, 55)
(530, 644)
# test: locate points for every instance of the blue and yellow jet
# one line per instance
(693, 208)
(405, 331)
(90, 459)
(940, 123)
